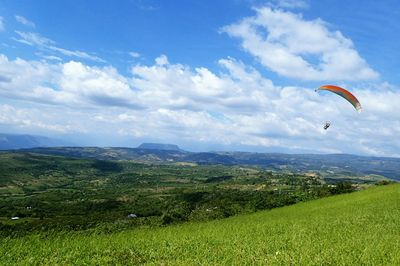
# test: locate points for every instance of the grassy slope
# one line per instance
(358, 228)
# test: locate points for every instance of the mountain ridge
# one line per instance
(159, 146)
(25, 141)
(328, 164)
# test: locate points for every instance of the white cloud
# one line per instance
(24, 21)
(162, 60)
(2, 26)
(99, 86)
(70, 84)
(49, 57)
(35, 119)
(288, 44)
(34, 39)
(134, 54)
(292, 3)
(173, 102)
(176, 86)
(78, 54)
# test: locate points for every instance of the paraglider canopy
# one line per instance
(344, 93)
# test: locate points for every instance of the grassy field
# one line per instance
(361, 228)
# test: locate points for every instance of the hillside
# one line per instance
(352, 229)
(53, 192)
(328, 165)
(159, 146)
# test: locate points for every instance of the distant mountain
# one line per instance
(210, 158)
(114, 153)
(328, 166)
(11, 141)
(159, 146)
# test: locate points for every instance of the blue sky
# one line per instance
(206, 75)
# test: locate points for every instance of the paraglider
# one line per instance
(343, 93)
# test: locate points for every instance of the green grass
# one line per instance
(361, 228)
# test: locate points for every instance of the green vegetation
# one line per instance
(76, 212)
(353, 229)
(336, 166)
(53, 192)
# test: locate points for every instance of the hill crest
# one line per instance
(159, 146)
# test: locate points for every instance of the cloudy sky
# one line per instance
(206, 75)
